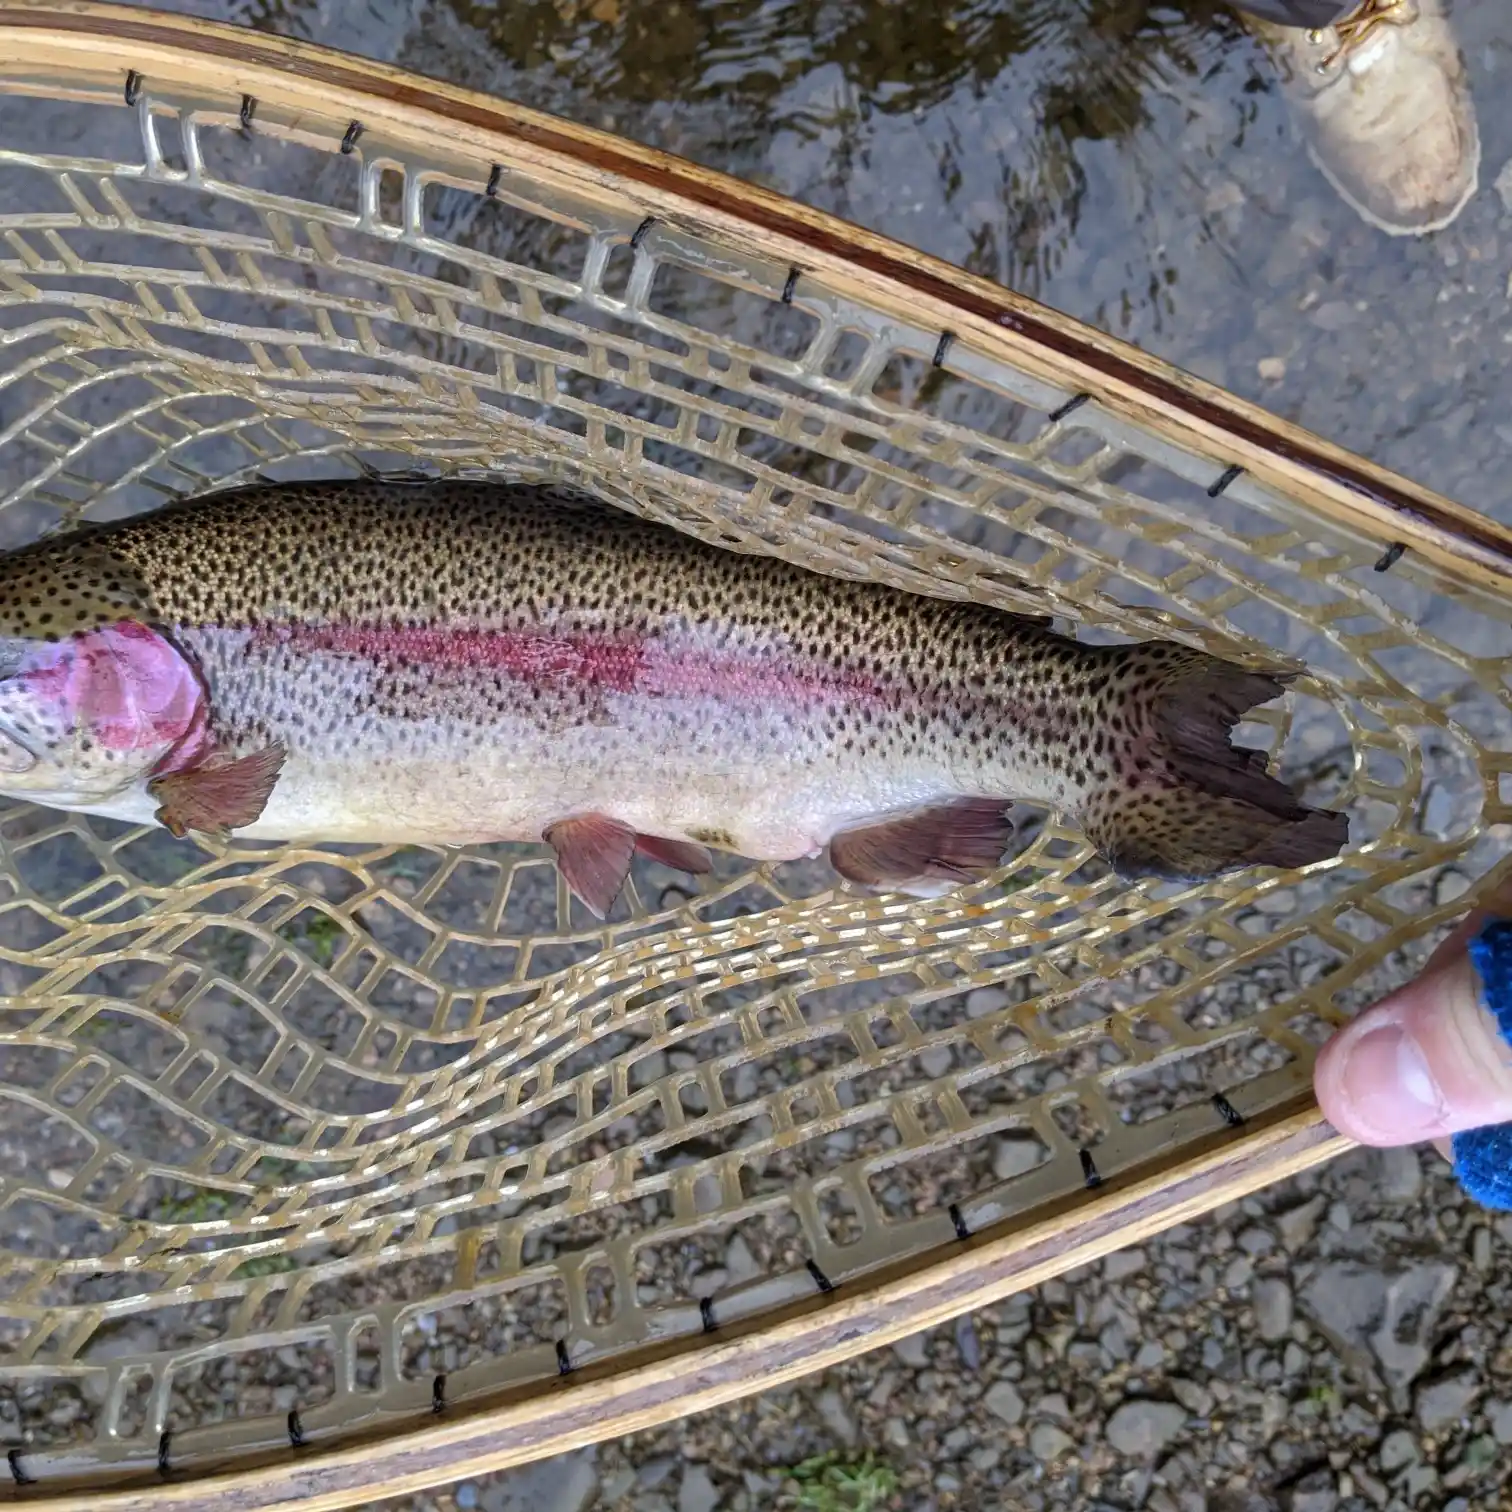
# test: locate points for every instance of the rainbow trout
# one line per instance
(450, 663)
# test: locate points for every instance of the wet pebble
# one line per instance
(1004, 1402)
(1141, 1427)
(1047, 1442)
(1272, 1299)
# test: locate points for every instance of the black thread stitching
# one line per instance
(1225, 480)
(353, 133)
(942, 349)
(822, 1281)
(133, 86)
(248, 111)
(791, 286)
(165, 1439)
(296, 1430)
(640, 232)
(706, 1312)
(564, 1360)
(21, 1478)
(495, 174)
(438, 1394)
(1090, 1173)
(1391, 556)
(959, 1222)
(1070, 407)
(1227, 1111)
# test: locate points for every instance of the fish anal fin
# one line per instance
(680, 855)
(955, 842)
(593, 853)
(218, 796)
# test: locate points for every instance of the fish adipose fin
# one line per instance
(218, 796)
(960, 841)
(1187, 803)
(594, 852)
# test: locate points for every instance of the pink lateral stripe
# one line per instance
(616, 664)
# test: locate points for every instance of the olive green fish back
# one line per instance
(340, 1171)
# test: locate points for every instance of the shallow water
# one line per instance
(1133, 164)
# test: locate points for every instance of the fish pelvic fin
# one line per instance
(1183, 802)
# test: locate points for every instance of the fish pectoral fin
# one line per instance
(593, 853)
(960, 841)
(680, 855)
(218, 796)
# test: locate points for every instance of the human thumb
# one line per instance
(1435, 1057)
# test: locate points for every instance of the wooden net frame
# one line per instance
(447, 1175)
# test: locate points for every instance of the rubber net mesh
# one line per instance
(344, 1132)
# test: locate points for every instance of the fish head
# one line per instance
(91, 714)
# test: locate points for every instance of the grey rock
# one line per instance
(1499, 1415)
(1122, 1264)
(1237, 1272)
(615, 1487)
(1390, 1312)
(648, 1068)
(967, 1342)
(895, 1431)
(697, 1493)
(1503, 185)
(1297, 1225)
(1397, 1449)
(466, 1496)
(1192, 1395)
(1273, 1308)
(1003, 1401)
(1446, 1401)
(1420, 1480)
(739, 1261)
(1012, 1156)
(655, 1472)
(937, 1060)
(1317, 1493)
(1480, 1249)
(1398, 1174)
(567, 1483)
(1256, 1241)
(1151, 1355)
(984, 1000)
(837, 1417)
(1047, 1442)
(1142, 1428)
(913, 1351)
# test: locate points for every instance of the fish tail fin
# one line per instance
(1181, 801)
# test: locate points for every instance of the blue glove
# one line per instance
(1483, 1157)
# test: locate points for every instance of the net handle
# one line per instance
(127, 47)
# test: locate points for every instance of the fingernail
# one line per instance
(1388, 1085)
